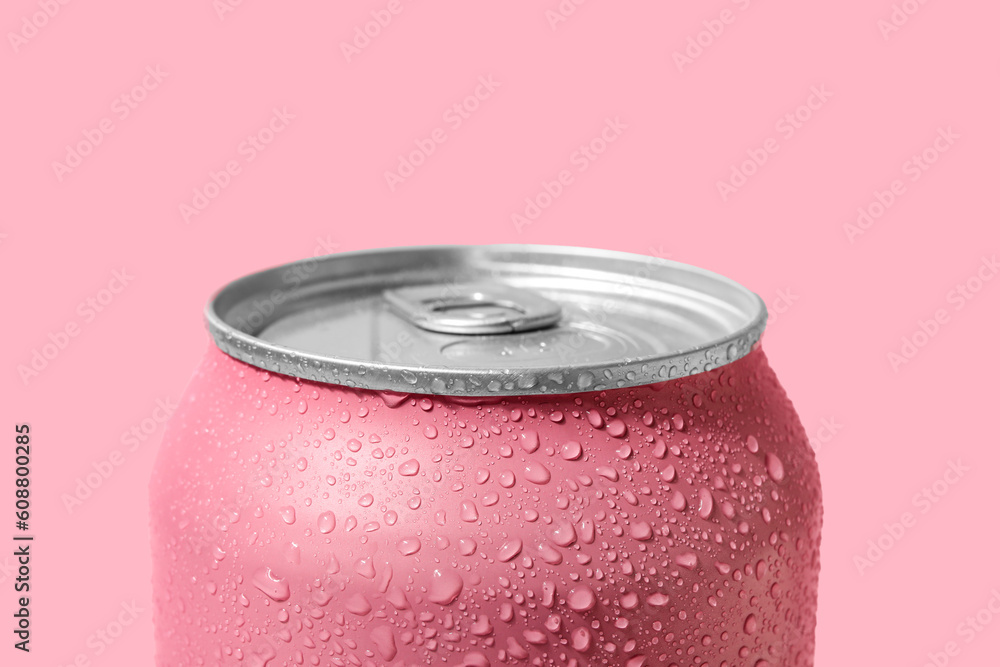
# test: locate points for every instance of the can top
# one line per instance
(496, 320)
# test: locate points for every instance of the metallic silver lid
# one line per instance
(486, 320)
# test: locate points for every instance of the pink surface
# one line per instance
(901, 124)
(304, 523)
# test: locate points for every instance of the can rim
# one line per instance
(451, 381)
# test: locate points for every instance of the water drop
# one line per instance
(409, 468)
(563, 533)
(327, 522)
(358, 604)
(445, 587)
(641, 530)
(535, 637)
(529, 441)
(468, 511)
(272, 586)
(704, 503)
(385, 641)
(658, 600)
(581, 598)
(629, 601)
(678, 501)
(509, 549)
(607, 473)
(581, 640)
(571, 450)
(482, 626)
(775, 468)
(537, 473)
(549, 554)
(687, 560)
(365, 567)
(617, 429)
(408, 546)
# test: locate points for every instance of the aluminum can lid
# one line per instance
(495, 320)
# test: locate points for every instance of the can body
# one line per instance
(302, 523)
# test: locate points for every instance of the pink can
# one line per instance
(484, 456)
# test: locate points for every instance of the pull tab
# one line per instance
(473, 308)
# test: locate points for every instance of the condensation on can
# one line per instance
(378, 470)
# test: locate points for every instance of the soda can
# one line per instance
(484, 456)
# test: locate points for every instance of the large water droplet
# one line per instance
(529, 441)
(704, 503)
(571, 450)
(509, 549)
(365, 567)
(468, 511)
(775, 468)
(581, 639)
(617, 429)
(581, 598)
(408, 546)
(537, 473)
(385, 641)
(641, 530)
(358, 604)
(481, 627)
(272, 586)
(658, 600)
(678, 501)
(445, 587)
(687, 560)
(563, 533)
(549, 554)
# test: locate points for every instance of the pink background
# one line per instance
(839, 305)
